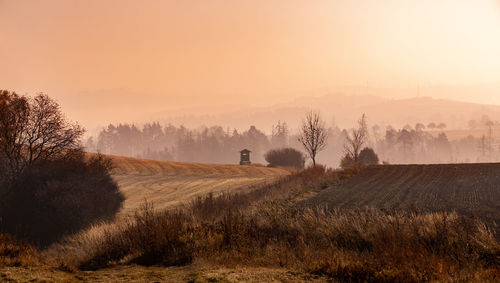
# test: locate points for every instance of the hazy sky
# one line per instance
(153, 55)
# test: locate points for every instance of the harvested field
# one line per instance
(466, 188)
(168, 184)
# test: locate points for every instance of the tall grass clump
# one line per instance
(291, 188)
(14, 252)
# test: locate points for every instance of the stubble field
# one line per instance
(168, 184)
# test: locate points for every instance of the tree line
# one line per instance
(207, 145)
(409, 144)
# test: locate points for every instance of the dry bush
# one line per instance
(150, 237)
(365, 245)
(14, 252)
(73, 249)
(60, 197)
(286, 157)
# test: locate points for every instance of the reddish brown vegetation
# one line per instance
(265, 228)
(14, 252)
(60, 198)
(48, 188)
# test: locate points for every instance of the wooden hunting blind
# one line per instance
(245, 157)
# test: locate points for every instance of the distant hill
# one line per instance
(343, 110)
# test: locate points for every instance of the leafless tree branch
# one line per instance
(33, 130)
(313, 135)
(356, 139)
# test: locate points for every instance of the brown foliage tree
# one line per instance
(48, 186)
(33, 130)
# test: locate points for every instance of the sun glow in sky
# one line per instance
(177, 53)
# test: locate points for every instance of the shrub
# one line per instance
(59, 197)
(287, 157)
(150, 238)
(367, 156)
(346, 161)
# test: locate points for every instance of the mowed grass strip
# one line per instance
(167, 184)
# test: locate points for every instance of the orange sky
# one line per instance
(154, 55)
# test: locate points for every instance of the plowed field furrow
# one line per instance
(405, 187)
(424, 194)
(400, 188)
(465, 188)
(355, 197)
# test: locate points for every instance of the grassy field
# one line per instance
(168, 184)
(315, 225)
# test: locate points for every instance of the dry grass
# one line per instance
(14, 252)
(262, 233)
(168, 184)
(136, 273)
(263, 228)
(209, 207)
(361, 245)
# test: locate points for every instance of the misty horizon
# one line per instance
(240, 115)
(112, 61)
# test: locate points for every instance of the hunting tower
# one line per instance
(245, 157)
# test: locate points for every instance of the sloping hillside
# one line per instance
(171, 183)
(466, 188)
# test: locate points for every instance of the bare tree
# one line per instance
(279, 136)
(356, 139)
(33, 130)
(313, 135)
